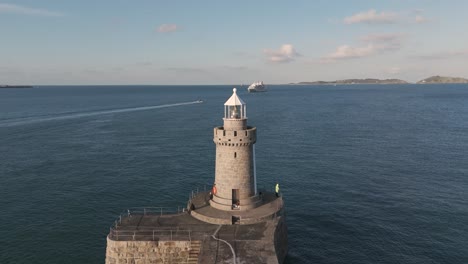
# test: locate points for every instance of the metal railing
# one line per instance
(151, 234)
(150, 211)
(199, 189)
(154, 210)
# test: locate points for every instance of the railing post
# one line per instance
(134, 234)
(161, 210)
(144, 211)
(153, 234)
(171, 235)
(120, 217)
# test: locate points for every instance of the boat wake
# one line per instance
(32, 120)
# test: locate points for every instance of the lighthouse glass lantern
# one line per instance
(235, 108)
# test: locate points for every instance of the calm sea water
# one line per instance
(370, 174)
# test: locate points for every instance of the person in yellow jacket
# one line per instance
(277, 189)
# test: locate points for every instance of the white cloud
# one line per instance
(166, 28)
(286, 53)
(417, 16)
(348, 52)
(382, 37)
(372, 17)
(22, 10)
(372, 45)
(420, 19)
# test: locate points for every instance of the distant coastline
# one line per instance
(16, 86)
(429, 80)
(442, 79)
(355, 81)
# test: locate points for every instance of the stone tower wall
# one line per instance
(229, 175)
(235, 124)
(234, 165)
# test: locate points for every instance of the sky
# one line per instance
(65, 42)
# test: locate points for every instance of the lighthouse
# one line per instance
(235, 177)
(234, 222)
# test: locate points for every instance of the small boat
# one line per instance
(199, 101)
(257, 87)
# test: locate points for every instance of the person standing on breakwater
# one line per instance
(277, 189)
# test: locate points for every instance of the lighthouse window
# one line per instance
(235, 133)
(235, 154)
(224, 133)
(245, 133)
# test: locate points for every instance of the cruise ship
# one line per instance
(257, 87)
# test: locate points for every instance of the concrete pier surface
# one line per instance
(152, 237)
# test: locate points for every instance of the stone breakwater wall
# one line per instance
(139, 252)
(281, 240)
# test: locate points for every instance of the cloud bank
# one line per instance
(22, 10)
(286, 53)
(373, 17)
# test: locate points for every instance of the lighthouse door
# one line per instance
(235, 196)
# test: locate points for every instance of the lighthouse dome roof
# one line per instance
(234, 99)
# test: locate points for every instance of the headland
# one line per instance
(442, 79)
(16, 86)
(429, 80)
(354, 81)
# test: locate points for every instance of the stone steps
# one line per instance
(194, 252)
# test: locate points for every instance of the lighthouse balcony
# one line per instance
(268, 207)
(239, 204)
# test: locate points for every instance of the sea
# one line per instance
(369, 173)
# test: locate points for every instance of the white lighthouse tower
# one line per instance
(235, 176)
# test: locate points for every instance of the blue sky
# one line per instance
(229, 42)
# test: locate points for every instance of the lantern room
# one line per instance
(235, 108)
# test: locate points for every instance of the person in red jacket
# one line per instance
(213, 191)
